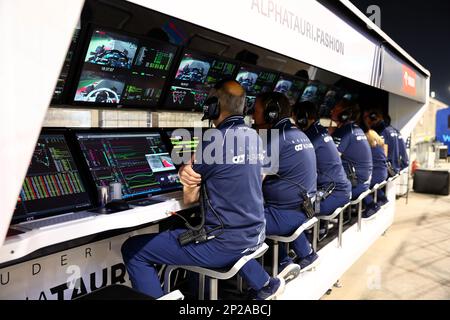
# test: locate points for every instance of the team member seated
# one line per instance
(353, 146)
(334, 188)
(403, 153)
(374, 120)
(290, 179)
(231, 194)
(380, 167)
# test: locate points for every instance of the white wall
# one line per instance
(34, 37)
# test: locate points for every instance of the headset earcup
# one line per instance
(272, 112)
(211, 109)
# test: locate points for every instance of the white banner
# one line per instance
(68, 274)
(304, 30)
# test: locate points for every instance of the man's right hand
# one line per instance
(188, 177)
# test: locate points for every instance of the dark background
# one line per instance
(422, 28)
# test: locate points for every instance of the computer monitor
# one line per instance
(314, 92)
(53, 184)
(124, 70)
(291, 86)
(255, 81)
(184, 143)
(140, 161)
(196, 75)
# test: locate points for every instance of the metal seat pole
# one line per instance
(315, 235)
(359, 215)
(275, 259)
(213, 288)
(341, 226)
(201, 287)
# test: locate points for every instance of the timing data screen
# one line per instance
(140, 162)
(292, 87)
(120, 69)
(196, 75)
(255, 81)
(52, 182)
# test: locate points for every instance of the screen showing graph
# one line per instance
(139, 161)
(53, 183)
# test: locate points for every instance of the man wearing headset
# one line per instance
(334, 189)
(373, 118)
(290, 181)
(354, 148)
(229, 189)
(402, 150)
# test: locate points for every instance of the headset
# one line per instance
(211, 109)
(373, 116)
(302, 117)
(345, 115)
(272, 111)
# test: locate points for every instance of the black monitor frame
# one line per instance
(84, 179)
(80, 57)
(86, 169)
(169, 83)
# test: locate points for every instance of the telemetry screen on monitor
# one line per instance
(53, 183)
(140, 161)
(183, 141)
(125, 70)
(314, 92)
(195, 76)
(292, 87)
(255, 81)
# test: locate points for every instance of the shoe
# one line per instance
(273, 290)
(309, 262)
(289, 271)
(381, 202)
(370, 211)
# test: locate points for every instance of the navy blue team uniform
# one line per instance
(296, 164)
(404, 159)
(355, 150)
(380, 174)
(330, 170)
(235, 193)
(390, 136)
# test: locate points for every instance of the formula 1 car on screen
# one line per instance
(111, 58)
(101, 95)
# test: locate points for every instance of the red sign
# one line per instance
(409, 81)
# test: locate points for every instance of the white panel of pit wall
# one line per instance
(34, 37)
(306, 30)
(68, 274)
(405, 113)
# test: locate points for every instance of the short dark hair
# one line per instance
(302, 74)
(283, 102)
(308, 107)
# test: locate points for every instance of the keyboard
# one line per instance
(144, 202)
(41, 223)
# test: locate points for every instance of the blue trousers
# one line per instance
(332, 202)
(280, 223)
(358, 190)
(378, 176)
(142, 253)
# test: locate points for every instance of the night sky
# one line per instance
(422, 28)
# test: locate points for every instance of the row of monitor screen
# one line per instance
(66, 167)
(119, 69)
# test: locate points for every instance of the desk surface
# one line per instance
(20, 245)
